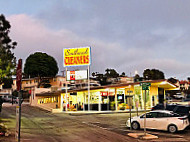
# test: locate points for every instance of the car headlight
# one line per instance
(128, 123)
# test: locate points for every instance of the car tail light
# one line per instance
(182, 118)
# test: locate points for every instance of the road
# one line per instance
(42, 126)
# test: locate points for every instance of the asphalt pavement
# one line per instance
(42, 126)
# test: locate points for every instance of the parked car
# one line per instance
(182, 110)
(169, 107)
(176, 108)
(187, 100)
(179, 96)
(16, 100)
(11, 99)
(169, 99)
(7, 98)
(160, 120)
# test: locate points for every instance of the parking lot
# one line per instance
(116, 123)
(41, 125)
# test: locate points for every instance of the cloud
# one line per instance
(32, 35)
(124, 35)
(119, 21)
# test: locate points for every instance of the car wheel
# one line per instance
(135, 125)
(172, 128)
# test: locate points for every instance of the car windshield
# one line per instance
(170, 107)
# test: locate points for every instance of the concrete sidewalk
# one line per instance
(142, 136)
(101, 112)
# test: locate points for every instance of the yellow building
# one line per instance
(105, 98)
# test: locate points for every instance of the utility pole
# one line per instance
(145, 114)
(145, 87)
(18, 108)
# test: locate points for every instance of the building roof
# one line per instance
(184, 82)
(163, 83)
(48, 94)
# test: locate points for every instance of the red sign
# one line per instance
(111, 93)
(72, 75)
(104, 93)
(19, 75)
(30, 92)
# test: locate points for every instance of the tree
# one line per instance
(103, 78)
(93, 74)
(173, 80)
(137, 78)
(153, 74)
(122, 74)
(188, 79)
(40, 65)
(147, 74)
(7, 82)
(7, 58)
(111, 73)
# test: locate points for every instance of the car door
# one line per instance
(150, 118)
(161, 121)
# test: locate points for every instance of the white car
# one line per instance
(178, 96)
(160, 120)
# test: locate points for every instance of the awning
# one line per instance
(165, 85)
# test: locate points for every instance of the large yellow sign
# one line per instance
(77, 56)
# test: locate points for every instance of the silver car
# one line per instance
(160, 120)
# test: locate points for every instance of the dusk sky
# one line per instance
(126, 35)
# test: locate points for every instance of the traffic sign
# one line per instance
(145, 85)
(19, 75)
(17, 123)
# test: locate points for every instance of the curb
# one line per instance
(142, 136)
(91, 113)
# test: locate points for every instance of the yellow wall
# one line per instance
(131, 89)
(82, 97)
(154, 92)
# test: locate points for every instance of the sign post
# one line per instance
(130, 105)
(18, 108)
(88, 88)
(145, 87)
(66, 92)
(17, 123)
(137, 106)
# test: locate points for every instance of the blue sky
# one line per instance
(22, 6)
(126, 35)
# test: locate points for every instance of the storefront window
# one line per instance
(94, 97)
(138, 95)
(48, 100)
(120, 96)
